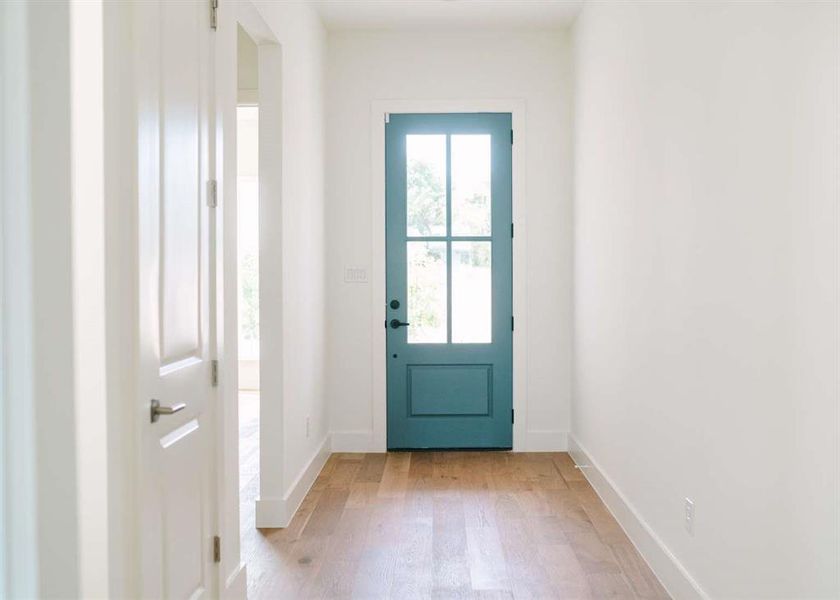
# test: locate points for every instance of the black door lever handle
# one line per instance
(396, 324)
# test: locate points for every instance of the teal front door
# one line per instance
(449, 292)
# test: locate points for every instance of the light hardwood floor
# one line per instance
(446, 525)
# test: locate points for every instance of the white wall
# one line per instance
(292, 248)
(530, 67)
(706, 282)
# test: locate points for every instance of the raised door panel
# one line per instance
(180, 214)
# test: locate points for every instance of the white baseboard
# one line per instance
(270, 512)
(545, 441)
(354, 441)
(236, 585)
(673, 575)
(535, 441)
(278, 512)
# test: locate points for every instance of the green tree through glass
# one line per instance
(426, 208)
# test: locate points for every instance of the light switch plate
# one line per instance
(355, 275)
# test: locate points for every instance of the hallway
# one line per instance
(447, 525)
(420, 299)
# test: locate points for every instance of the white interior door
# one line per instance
(173, 63)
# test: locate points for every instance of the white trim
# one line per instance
(121, 299)
(278, 512)
(249, 17)
(534, 441)
(354, 441)
(233, 574)
(546, 441)
(227, 338)
(379, 108)
(88, 268)
(273, 444)
(674, 576)
(270, 512)
(236, 584)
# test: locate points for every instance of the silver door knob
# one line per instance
(157, 410)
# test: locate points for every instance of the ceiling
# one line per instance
(447, 14)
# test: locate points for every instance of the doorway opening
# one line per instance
(248, 245)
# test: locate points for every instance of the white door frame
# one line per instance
(271, 506)
(232, 573)
(379, 109)
(269, 510)
(233, 569)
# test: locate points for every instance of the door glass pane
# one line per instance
(470, 185)
(426, 184)
(472, 306)
(426, 292)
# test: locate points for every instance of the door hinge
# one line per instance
(214, 373)
(511, 230)
(214, 14)
(212, 194)
(387, 117)
(511, 324)
(512, 416)
(511, 137)
(217, 549)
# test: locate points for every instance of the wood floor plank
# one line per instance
(544, 474)
(421, 465)
(448, 525)
(547, 529)
(594, 555)
(608, 529)
(567, 576)
(486, 559)
(363, 494)
(638, 573)
(610, 585)
(479, 508)
(394, 482)
(343, 473)
(567, 468)
(451, 573)
(414, 564)
(327, 513)
(373, 465)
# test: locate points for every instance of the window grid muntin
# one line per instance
(449, 239)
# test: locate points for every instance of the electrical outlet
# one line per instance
(307, 426)
(689, 516)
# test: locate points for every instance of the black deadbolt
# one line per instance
(395, 304)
